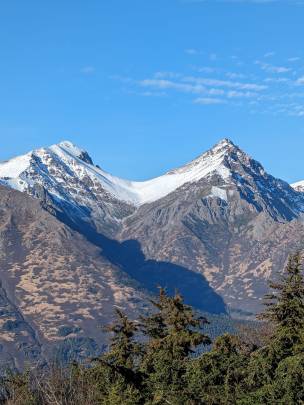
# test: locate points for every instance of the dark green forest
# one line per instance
(160, 358)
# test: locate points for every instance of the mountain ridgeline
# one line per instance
(76, 241)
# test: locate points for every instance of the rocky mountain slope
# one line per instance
(217, 228)
(56, 287)
(235, 226)
(64, 178)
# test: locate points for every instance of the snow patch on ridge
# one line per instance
(14, 167)
(219, 192)
(11, 171)
(299, 186)
(65, 157)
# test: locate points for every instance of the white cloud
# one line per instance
(275, 89)
(225, 83)
(272, 69)
(216, 92)
(169, 84)
(193, 84)
(167, 75)
(241, 94)
(294, 59)
(277, 80)
(209, 101)
(211, 91)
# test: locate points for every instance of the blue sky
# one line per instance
(147, 85)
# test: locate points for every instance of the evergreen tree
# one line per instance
(116, 373)
(270, 365)
(124, 348)
(173, 333)
(285, 308)
(217, 377)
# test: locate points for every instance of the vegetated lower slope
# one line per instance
(56, 287)
(161, 358)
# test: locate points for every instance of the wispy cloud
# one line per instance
(173, 85)
(277, 80)
(209, 101)
(225, 83)
(294, 59)
(210, 91)
(292, 109)
(259, 86)
(272, 69)
(241, 94)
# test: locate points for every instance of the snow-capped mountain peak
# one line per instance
(70, 148)
(73, 150)
(67, 173)
(67, 164)
(225, 143)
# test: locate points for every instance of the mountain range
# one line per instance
(77, 241)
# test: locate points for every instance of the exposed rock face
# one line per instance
(236, 230)
(217, 229)
(64, 178)
(56, 287)
(236, 248)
